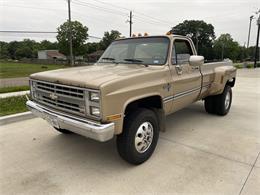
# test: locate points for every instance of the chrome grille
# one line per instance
(59, 89)
(61, 97)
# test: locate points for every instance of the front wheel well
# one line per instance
(148, 102)
(153, 103)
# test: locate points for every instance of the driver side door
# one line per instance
(186, 80)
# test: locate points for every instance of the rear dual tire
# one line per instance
(219, 104)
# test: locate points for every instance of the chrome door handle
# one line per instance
(178, 69)
(195, 68)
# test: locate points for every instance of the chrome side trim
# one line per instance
(84, 127)
(184, 93)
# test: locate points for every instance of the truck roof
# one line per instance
(147, 36)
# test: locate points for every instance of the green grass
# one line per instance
(12, 70)
(250, 65)
(12, 105)
(14, 89)
(240, 65)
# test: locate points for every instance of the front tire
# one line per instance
(139, 138)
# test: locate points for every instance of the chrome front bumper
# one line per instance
(87, 128)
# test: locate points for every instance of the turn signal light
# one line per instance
(114, 117)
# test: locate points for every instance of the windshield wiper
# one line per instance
(135, 61)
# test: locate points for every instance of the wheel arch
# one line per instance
(153, 102)
(231, 82)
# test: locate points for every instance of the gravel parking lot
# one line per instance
(199, 153)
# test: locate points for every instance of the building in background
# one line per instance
(50, 55)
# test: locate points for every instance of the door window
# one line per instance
(181, 52)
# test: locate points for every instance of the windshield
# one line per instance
(149, 50)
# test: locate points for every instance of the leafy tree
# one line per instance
(47, 45)
(92, 47)
(226, 47)
(4, 54)
(79, 37)
(198, 30)
(109, 38)
(24, 52)
(12, 46)
(24, 49)
(29, 46)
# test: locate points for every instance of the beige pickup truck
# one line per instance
(130, 90)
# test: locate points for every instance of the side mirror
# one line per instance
(196, 60)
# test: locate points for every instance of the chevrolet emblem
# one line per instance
(53, 96)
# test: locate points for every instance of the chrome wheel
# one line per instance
(227, 100)
(144, 137)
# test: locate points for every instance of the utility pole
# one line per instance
(70, 36)
(197, 41)
(130, 23)
(257, 42)
(250, 22)
(222, 51)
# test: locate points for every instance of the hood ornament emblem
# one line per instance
(53, 96)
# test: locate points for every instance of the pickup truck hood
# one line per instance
(92, 76)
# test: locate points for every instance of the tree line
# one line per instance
(202, 34)
(212, 48)
(28, 48)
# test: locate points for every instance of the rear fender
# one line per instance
(222, 75)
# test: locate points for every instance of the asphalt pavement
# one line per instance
(198, 154)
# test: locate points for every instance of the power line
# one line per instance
(77, 2)
(29, 32)
(140, 15)
(136, 12)
(112, 5)
(153, 18)
(32, 7)
(38, 32)
(138, 18)
(149, 22)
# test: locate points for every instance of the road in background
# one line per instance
(13, 82)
